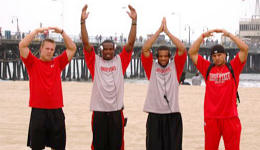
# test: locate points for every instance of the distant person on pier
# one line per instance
(221, 79)
(0, 33)
(182, 79)
(107, 74)
(164, 123)
(47, 122)
(100, 38)
(196, 80)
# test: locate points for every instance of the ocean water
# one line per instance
(245, 80)
(249, 80)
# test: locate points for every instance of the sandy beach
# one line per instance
(15, 114)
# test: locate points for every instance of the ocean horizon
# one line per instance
(245, 80)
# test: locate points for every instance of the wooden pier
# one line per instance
(12, 68)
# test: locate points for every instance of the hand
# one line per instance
(132, 14)
(165, 29)
(84, 14)
(41, 30)
(209, 33)
(161, 29)
(225, 33)
(56, 29)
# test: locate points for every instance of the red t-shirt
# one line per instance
(220, 96)
(90, 60)
(45, 81)
(179, 61)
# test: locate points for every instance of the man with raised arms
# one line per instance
(164, 122)
(220, 102)
(47, 122)
(107, 74)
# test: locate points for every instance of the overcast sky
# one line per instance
(109, 17)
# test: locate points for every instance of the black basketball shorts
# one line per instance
(47, 128)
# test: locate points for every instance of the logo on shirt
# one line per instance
(219, 78)
(163, 70)
(52, 65)
(108, 69)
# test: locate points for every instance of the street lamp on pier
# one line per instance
(187, 27)
(15, 19)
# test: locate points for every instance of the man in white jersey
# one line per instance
(107, 74)
(164, 122)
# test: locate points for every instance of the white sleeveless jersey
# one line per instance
(108, 85)
(163, 84)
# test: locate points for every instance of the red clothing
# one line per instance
(220, 95)
(90, 60)
(45, 81)
(178, 60)
(230, 129)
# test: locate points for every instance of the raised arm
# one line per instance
(240, 44)
(148, 44)
(132, 35)
(194, 49)
(176, 41)
(84, 33)
(70, 45)
(23, 45)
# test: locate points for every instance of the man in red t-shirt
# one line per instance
(220, 108)
(47, 122)
(164, 122)
(107, 74)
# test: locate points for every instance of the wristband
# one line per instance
(82, 21)
(203, 36)
(134, 22)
